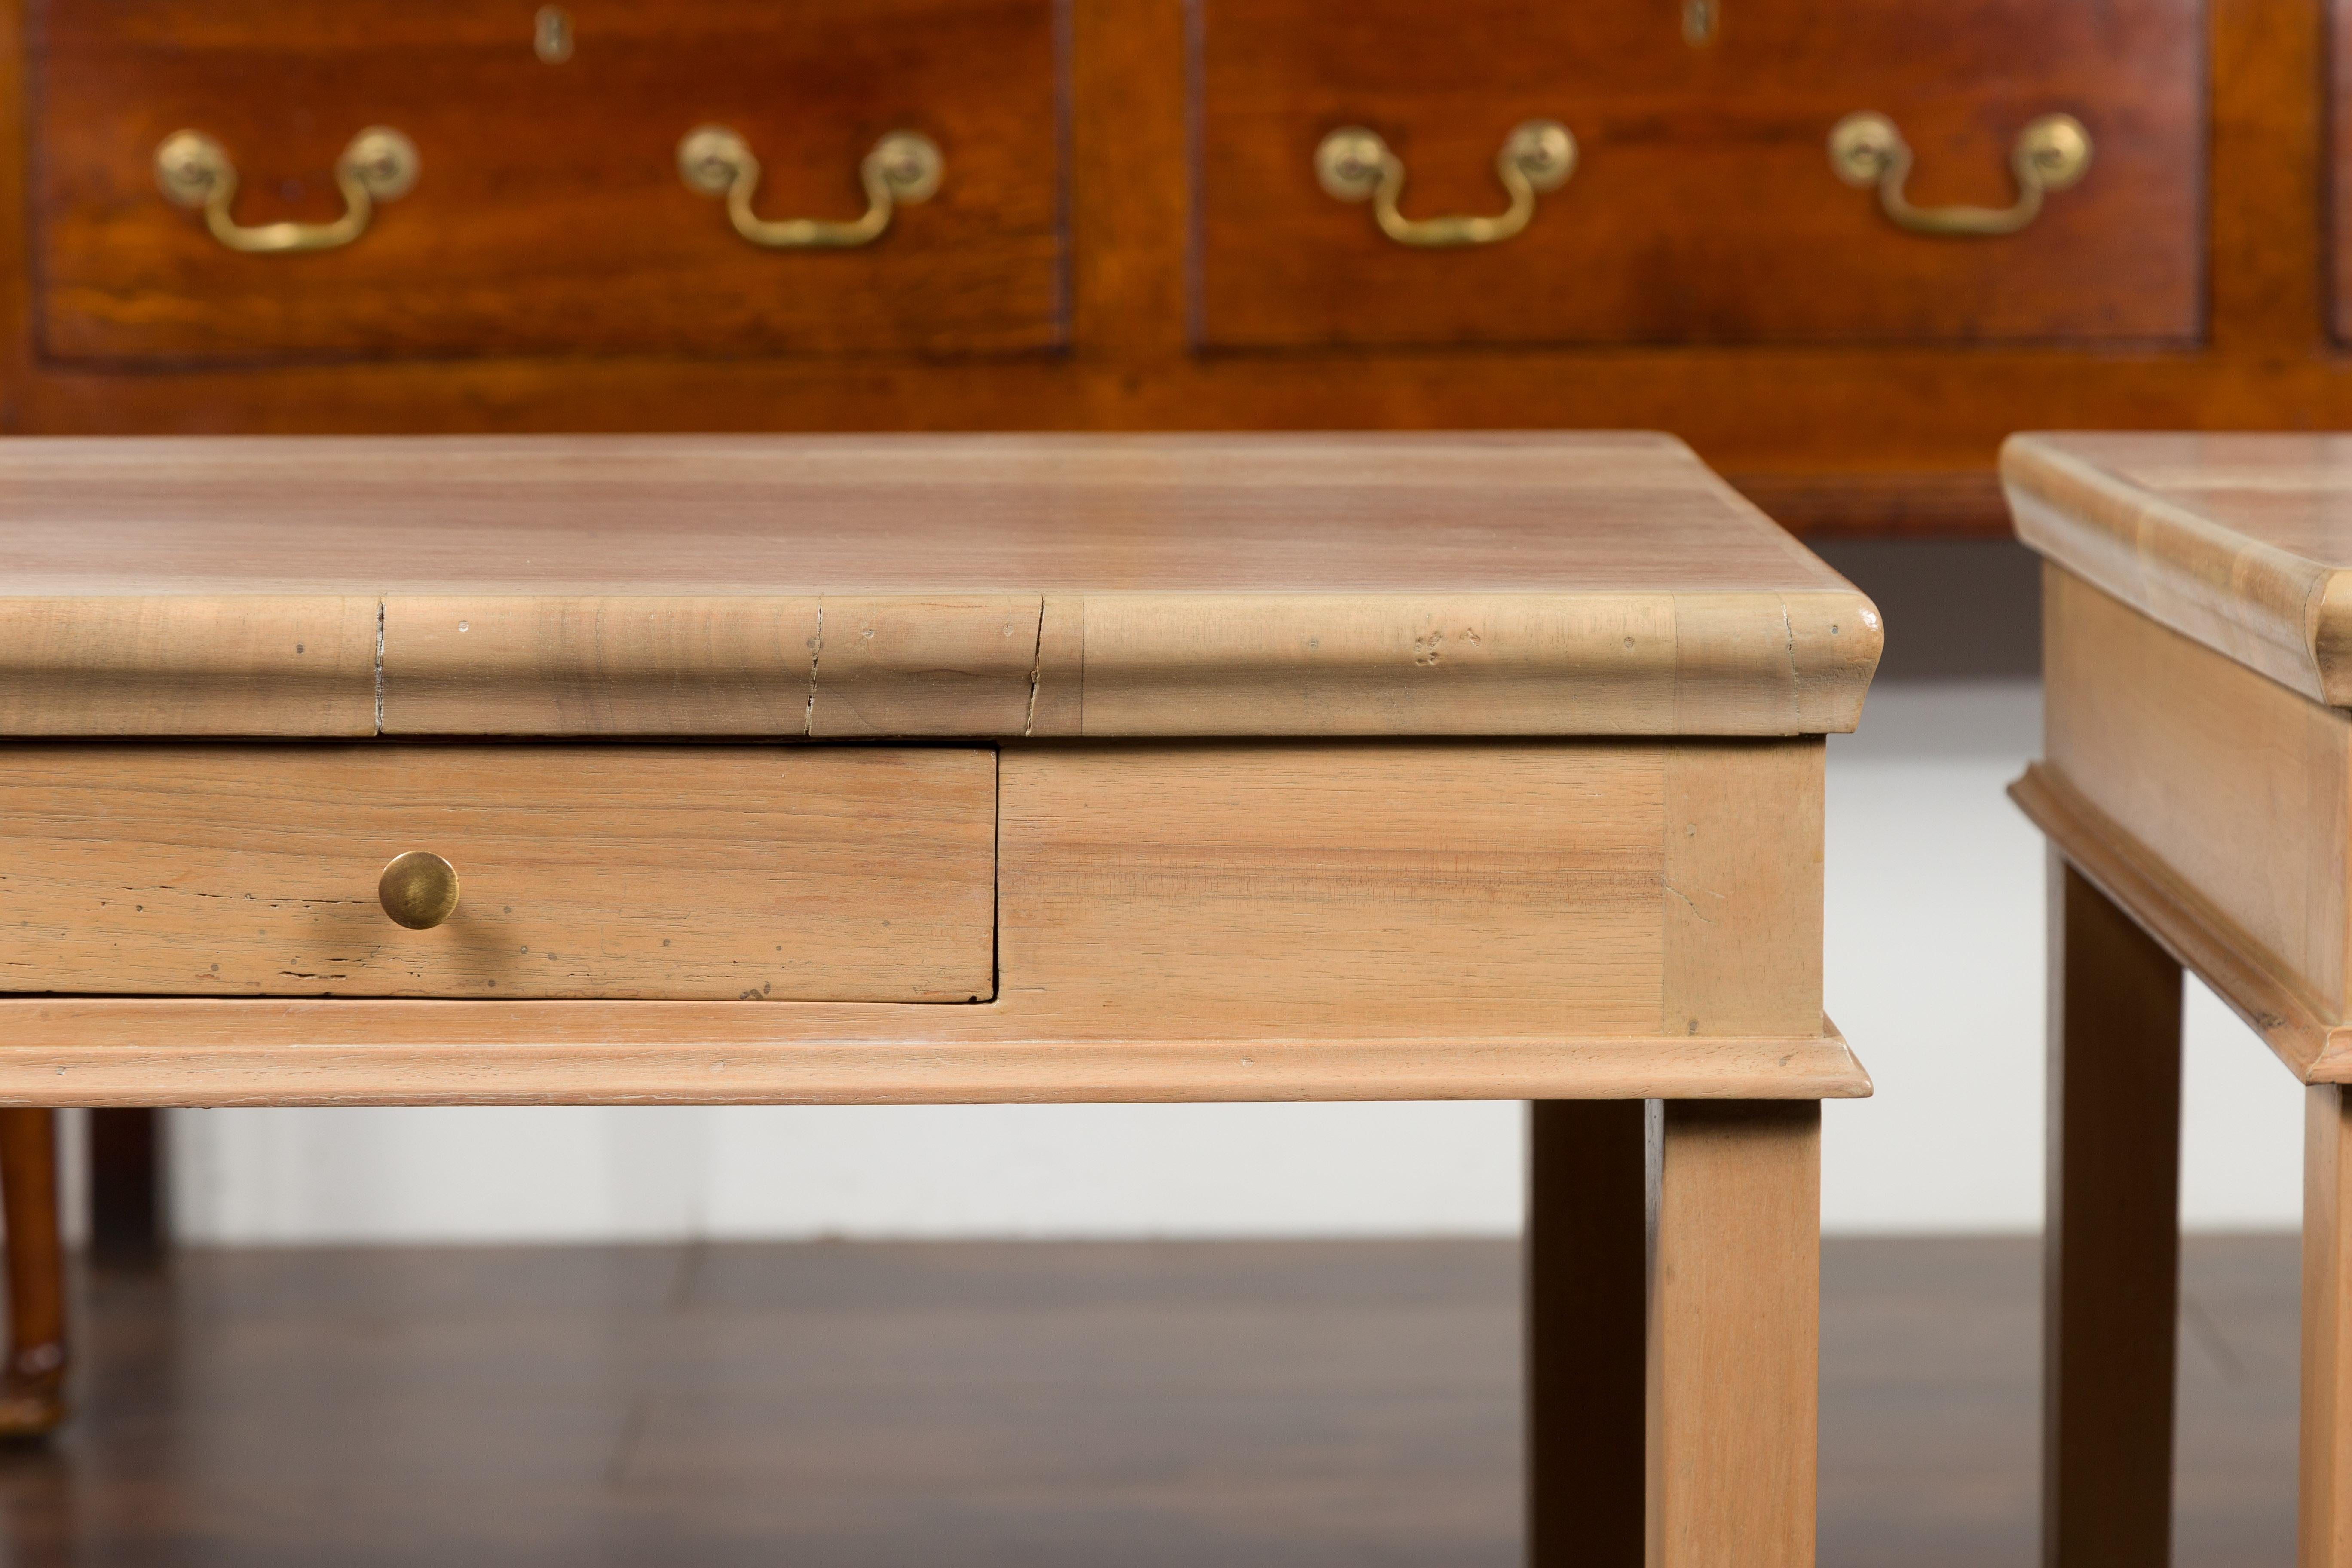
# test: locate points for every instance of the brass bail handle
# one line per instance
(1355, 165)
(380, 165)
(2052, 154)
(418, 889)
(904, 168)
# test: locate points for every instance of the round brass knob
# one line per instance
(418, 889)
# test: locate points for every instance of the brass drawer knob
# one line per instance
(379, 165)
(2050, 154)
(1355, 164)
(418, 889)
(904, 168)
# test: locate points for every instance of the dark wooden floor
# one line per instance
(1033, 1403)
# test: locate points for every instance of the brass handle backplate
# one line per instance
(1355, 164)
(418, 889)
(904, 168)
(195, 172)
(2052, 154)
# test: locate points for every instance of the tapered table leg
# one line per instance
(1734, 1336)
(32, 1389)
(1586, 1191)
(2111, 1267)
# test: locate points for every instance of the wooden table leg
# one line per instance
(32, 1389)
(2323, 1521)
(2112, 1243)
(1587, 1182)
(126, 1211)
(1734, 1336)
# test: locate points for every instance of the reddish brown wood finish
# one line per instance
(32, 1385)
(2339, 171)
(1829, 438)
(549, 216)
(126, 1186)
(1704, 209)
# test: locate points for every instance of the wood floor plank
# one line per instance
(865, 1406)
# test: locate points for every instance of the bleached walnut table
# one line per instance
(985, 769)
(2196, 793)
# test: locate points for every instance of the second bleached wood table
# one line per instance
(986, 768)
(2197, 793)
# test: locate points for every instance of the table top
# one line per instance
(2242, 541)
(997, 584)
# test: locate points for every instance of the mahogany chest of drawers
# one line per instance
(1842, 247)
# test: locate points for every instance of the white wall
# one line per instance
(1934, 973)
(796, 1171)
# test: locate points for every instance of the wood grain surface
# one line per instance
(1173, 921)
(1742, 872)
(1898, 437)
(253, 665)
(2243, 543)
(109, 1051)
(743, 873)
(2311, 1045)
(2111, 1247)
(1733, 1363)
(836, 588)
(2239, 788)
(1514, 889)
(1703, 208)
(549, 216)
(1389, 891)
(596, 664)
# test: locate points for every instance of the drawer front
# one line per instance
(548, 214)
(2339, 223)
(1703, 206)
(719, 873)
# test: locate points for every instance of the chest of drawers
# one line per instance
(1843, 249)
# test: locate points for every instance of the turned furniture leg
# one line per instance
(1587, 1177)
(32, 1389)
(2112, 1247)
(1734, 1336)
(2323, 1518)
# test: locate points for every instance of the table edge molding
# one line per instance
(2267, 608)
(222, 1051)
(1001, 665)
(2316, 1048)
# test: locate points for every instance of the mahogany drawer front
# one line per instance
(548, 214)
(755, 873)
(1703, 206)
(2338, 229)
